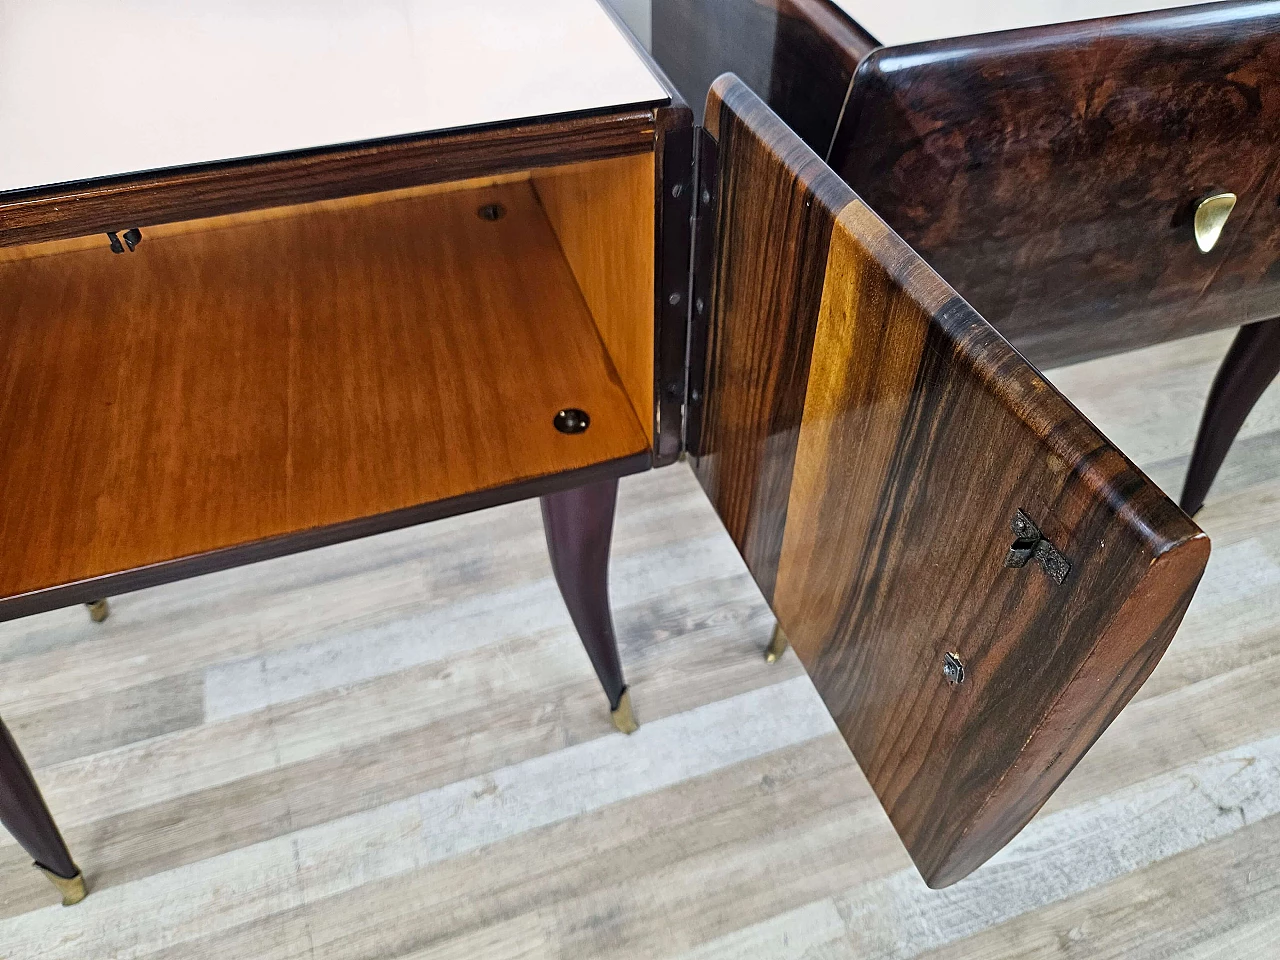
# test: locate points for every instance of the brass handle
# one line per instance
(1211, 216)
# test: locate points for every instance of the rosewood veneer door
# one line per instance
(976, 580)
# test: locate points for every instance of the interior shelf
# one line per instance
(277, 374)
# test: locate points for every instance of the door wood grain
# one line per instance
(975, 578)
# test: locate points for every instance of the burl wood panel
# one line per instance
(72, 210)
(603, 215)
(799, 55)
(1050, 174)
(219, 387)
(923, 434)
(777, 203)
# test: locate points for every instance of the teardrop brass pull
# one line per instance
(1211, 216)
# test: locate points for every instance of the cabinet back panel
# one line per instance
(602, 213)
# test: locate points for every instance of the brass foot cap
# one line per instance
(99, 610)
(623, 717)
(72, 889)
(777, 646)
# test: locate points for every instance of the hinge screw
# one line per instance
(677, 189)
(706, 195)
(952, 668)
(674, 299)
(491, 212)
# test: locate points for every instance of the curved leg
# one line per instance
(24, 814)
(1250, 365)
(579, 526)
(777, 645)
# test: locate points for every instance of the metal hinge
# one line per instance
(702, 285)
(672, 291)
(1030, 544)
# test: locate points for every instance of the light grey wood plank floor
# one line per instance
(396, 749)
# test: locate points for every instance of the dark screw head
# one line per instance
(572, 420)
(706, 196)
(952, 668)
(491, 212)
(674, 299)
(677, 189)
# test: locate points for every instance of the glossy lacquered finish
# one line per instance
(1052, 175)
(1251, 364)
(579, 528)
(139, 200)
(877, 461)
(798, 54)
(24, 814)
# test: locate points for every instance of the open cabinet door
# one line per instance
(975, 578)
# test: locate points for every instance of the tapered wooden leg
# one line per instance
(1250, 365)
(24, 814)
(579, 526)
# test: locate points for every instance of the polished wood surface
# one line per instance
(579, 528)
(25, 815)
(1051, 175)
(603, 215)
(1248, 369)
(78, 209)
(798, 54)
(777, 202)
(222, 387)
(879, 521)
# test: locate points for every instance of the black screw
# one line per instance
(706, 196)
(677, 189)
(491, 212)
(674, 299)
(572, 420)
(952, 668)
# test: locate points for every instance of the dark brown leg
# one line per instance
(579, 526)
(1251, 364)
(24, 814)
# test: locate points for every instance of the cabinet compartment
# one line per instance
(282, 371)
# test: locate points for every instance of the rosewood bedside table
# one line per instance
(1052, 172)
(321, 278)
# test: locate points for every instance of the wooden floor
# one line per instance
(397, 749)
